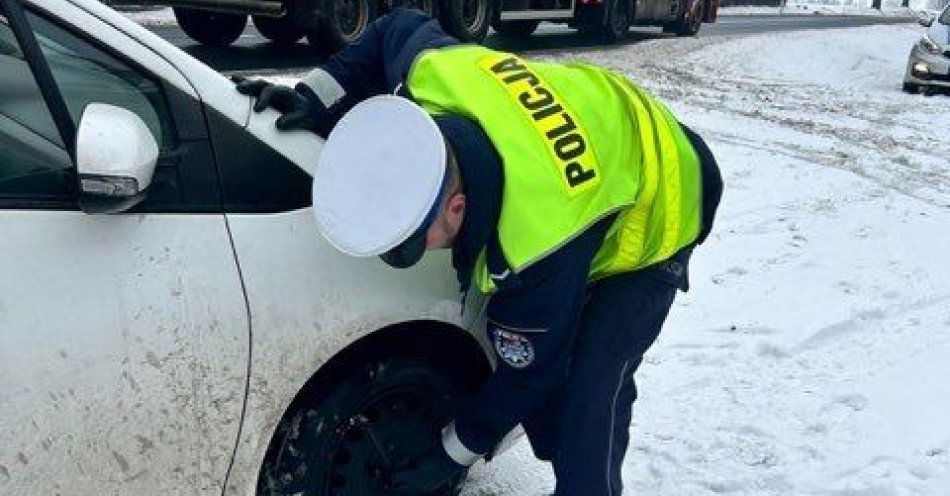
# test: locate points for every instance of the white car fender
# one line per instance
(308, 302)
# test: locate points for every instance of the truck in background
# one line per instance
(328, 25)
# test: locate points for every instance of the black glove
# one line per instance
(428, 473)
(298, 111)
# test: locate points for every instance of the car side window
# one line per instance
(86, 74)
(33, 161)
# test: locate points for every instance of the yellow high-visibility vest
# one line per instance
(578, 143)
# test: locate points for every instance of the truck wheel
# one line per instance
(344, 22)
(911, 88)
(617, 23)
(210, 28)
(281, 30)
(689, 26)
(347, 439)
(467, 20)
(516, 29)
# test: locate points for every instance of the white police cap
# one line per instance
(377, 184)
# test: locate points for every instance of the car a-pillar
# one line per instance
(371, 409)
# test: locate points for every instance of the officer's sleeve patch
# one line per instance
(514, 349)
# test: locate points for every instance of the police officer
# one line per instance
(566, 192)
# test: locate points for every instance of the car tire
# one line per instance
(467, 20)
(280, 30)
(335, 444)
(685, 26)
(516, 29)
(342, 24)
(617, 22)
(210, 28)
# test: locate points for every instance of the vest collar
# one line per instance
(482, 180)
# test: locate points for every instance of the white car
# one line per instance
(170, 320)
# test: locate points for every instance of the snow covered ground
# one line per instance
(812, 356)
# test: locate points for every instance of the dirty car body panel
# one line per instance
(155, 351)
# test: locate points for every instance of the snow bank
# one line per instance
(811, 355)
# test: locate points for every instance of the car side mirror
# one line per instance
(115, 159)
(925, 19)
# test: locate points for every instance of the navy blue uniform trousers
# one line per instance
(583, 426)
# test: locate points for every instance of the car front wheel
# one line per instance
(348, 440)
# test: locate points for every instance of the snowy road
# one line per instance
(810, 357)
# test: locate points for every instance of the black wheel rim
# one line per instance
(382, 436)
(352, 17)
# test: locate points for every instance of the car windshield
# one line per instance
(945, 16)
